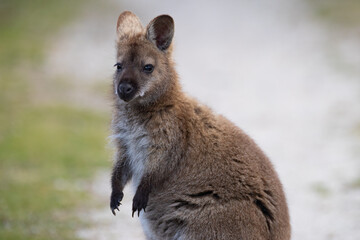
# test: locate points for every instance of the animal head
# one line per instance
(143, 61)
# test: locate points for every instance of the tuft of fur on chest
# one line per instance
(135, 140)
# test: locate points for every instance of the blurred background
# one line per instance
(285, 71)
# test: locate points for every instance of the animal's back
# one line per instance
(223, 188)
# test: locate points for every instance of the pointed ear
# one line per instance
(160, 31)
(128, 25)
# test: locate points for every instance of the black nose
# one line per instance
(125, 88)
(126, 91)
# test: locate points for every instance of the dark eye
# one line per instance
(148, 68)
(118, 66)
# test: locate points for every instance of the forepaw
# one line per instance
(140, 201)
(115, 200)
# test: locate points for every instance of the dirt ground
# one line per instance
(269, 66)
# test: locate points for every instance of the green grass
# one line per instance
(44, 159)
(26, 24)
(338, 13)
(342, 18)
(49, 151)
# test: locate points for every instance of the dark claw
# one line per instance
(139, 210)
(113, 210)
(139, 202)
(115, 200)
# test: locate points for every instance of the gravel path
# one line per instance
(268, 66)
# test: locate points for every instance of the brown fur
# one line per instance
(196, 174)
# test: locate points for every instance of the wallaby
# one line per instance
(196, 175)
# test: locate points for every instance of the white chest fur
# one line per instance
(136, 141)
